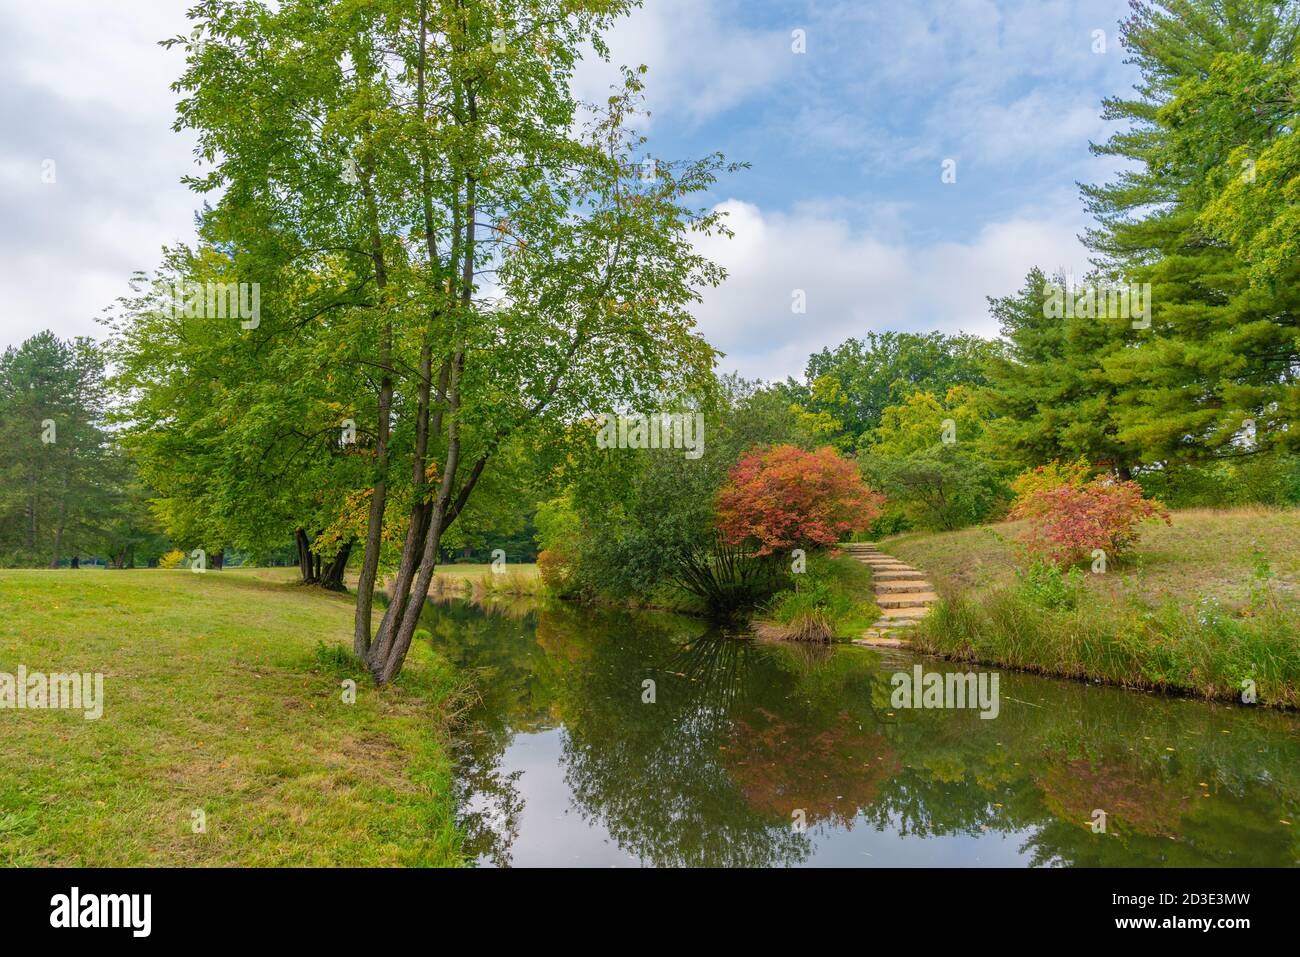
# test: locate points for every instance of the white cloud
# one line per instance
(702, 60)
(87, 87)
(1013, 82)
(857, 282)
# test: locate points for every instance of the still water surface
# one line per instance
(564, 763)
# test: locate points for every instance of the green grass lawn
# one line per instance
(1204, 553)
(218, 697)
(1198, 606)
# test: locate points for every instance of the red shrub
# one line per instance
(783, 497)
(1068, 522)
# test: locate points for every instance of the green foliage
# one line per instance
(1218, 367)
(830, 599)
(928, 459)
(630, 520)
(1047, 397)
(65, 489)
(848, 388)
(1049, 586)
(1247, 480)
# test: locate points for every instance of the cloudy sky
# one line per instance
(848, 140)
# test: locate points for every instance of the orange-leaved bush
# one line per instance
(1069, 522)
(1052, 475)
(784, 497)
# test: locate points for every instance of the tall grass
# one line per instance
(1198, 607)
(726, 579)
(832, 599)
(512, 583)
(1203, 649)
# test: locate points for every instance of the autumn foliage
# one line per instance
(1068, 522)
(1052, 475)
(783, 497)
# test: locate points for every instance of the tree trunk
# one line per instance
(418, 523)
(379, 493)
(304, 556)
(58, 533)
(332, 577)
(386, 657)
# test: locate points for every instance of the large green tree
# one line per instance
(498, 261)
(59, 478)
(1202, 214)
(846, 389)
(1047, 394)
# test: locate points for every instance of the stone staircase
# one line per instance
(903, 594)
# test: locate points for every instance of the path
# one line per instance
(903, 594)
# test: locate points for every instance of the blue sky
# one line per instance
(845, 199)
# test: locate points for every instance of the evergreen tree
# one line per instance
(1047, 394)
(1216, 373)
(58, 479)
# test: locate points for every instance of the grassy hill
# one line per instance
(219, 697)
(1199, 606)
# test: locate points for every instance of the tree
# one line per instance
(928, 457)
(782, 497)
(1202, 214)
(849, 387)
(1047, 395)
(630, 521)
(398, 152)
(59, 481)
(246, 436)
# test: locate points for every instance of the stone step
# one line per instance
(878, 641)
(913, 600)
(893, 625)
(890, 588)
(914, 613)
(910, 575)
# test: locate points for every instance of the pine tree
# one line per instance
(1048, 396)
(1216, 373)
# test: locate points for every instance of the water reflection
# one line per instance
(564, 762)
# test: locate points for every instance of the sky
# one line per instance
(850, 113)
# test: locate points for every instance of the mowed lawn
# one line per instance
(218, 698)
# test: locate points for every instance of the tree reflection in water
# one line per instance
(742, 734)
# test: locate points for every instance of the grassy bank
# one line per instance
(832, 599)
(1199, 607)
(481, 581)
(222, 694)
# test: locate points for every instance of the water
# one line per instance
(563, 763)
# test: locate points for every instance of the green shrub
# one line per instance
(832, 598)
(1048, 586)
